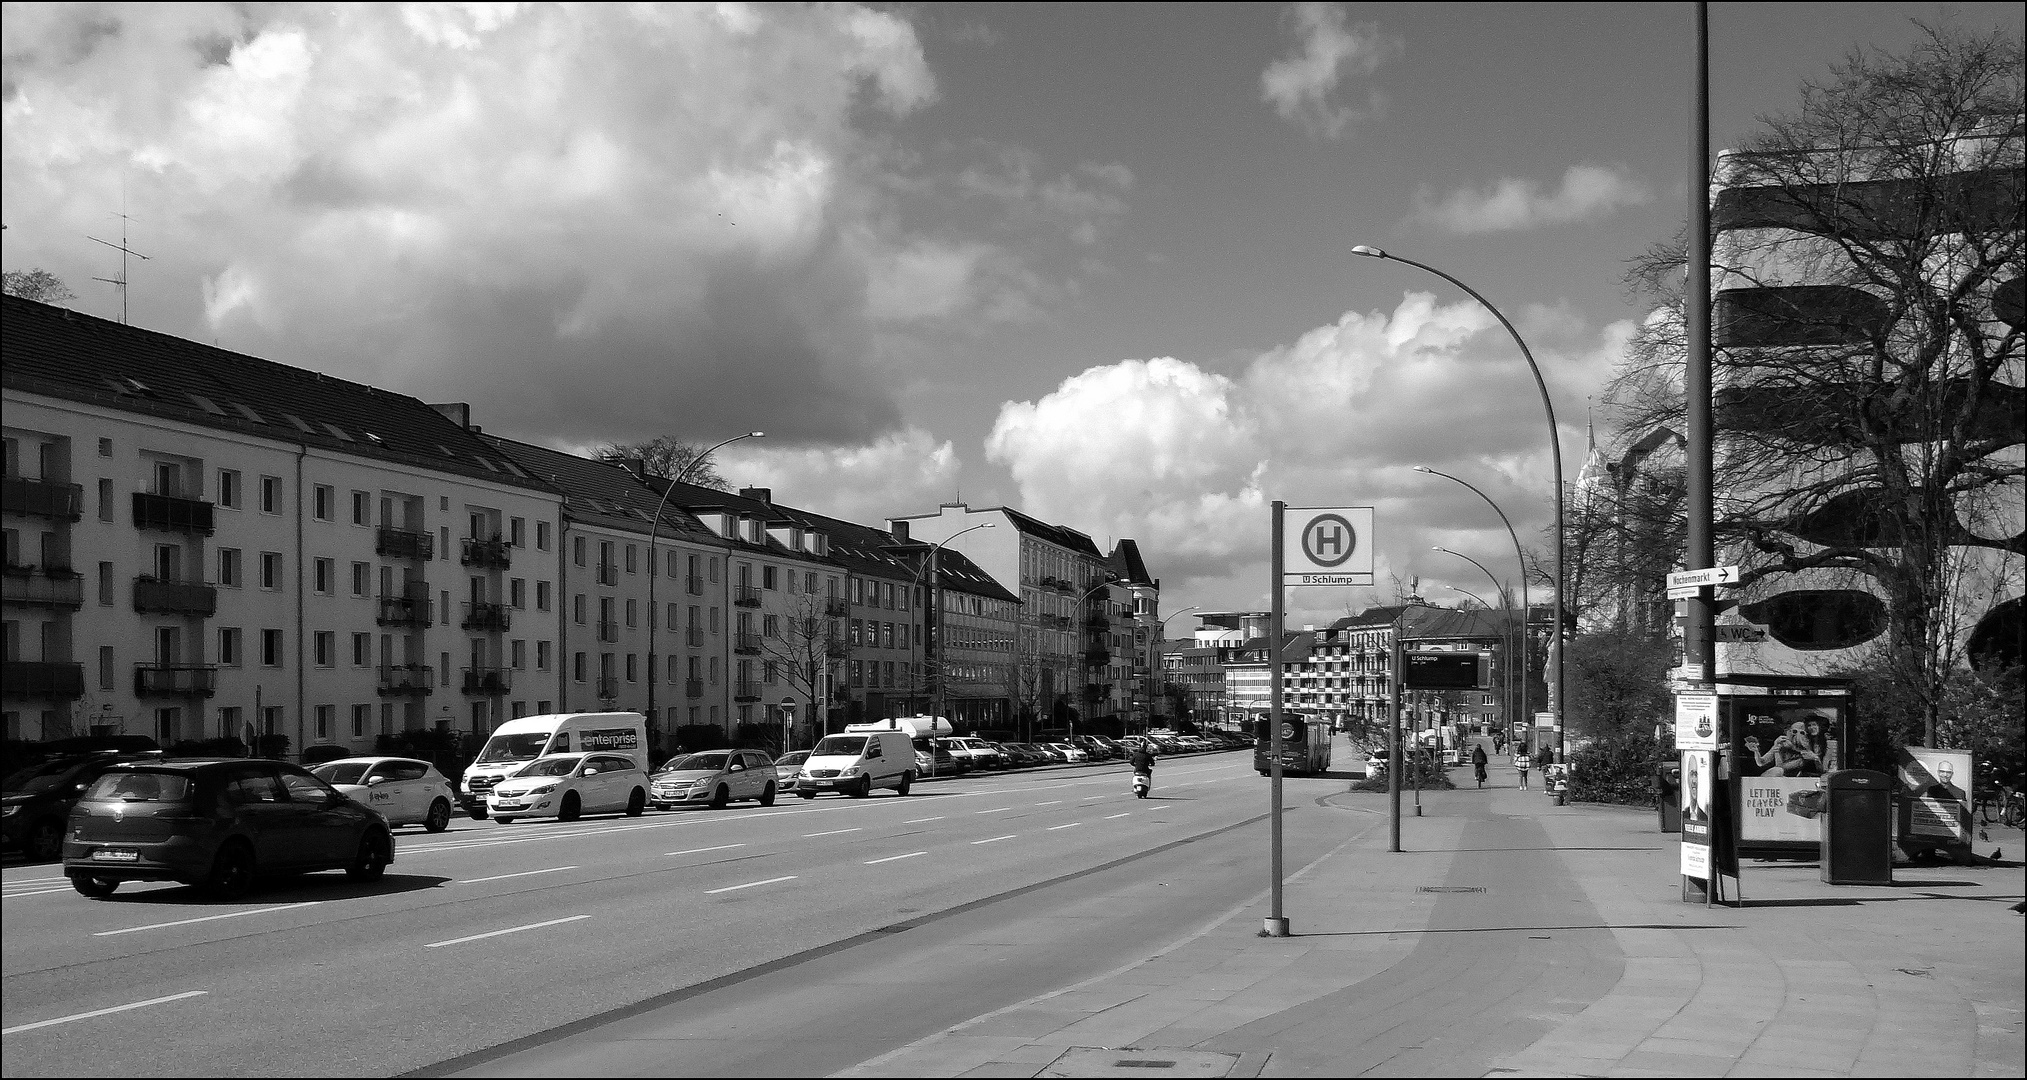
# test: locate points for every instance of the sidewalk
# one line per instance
(1513, 937)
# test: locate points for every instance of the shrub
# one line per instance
(1615, 769)
(1423, 774)
(275, 747)
(444, 749)
(758, 736)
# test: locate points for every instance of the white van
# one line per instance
(518, 742)
(865, 757)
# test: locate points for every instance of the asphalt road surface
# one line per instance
(519, 948)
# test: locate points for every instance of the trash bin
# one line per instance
(1668, 794)
(1857, 845)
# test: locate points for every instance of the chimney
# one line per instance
(458, 412)
(634, 465)
(765, 495)
(899, 528)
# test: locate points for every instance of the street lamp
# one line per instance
(1556, 696)
(654, 566)
(1519, 556)
(1153, 643)
(1506, 601)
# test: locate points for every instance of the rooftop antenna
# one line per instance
(120, 282)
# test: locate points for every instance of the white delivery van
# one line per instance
(865, 757)
(518, 742)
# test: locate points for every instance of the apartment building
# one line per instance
(203, 544)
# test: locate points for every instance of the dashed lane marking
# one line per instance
(989, 840)
(833, 832)
(508, 930)
(1071, 825)
(103, 1012)
(1129, 813)
(892, 858)
(207, 918)
(749, 885)
(701, 850)
(920, 820)
(524, 873)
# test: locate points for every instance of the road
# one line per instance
(491, 939)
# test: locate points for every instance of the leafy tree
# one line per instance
(37, 284)
(666, 457)
(1617, 683)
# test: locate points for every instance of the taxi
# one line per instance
(405, 791)
(564, 786)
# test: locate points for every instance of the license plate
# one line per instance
(510, 806)
(116, 856)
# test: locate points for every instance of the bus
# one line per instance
(1305, 745)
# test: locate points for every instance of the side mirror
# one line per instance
(737, 767)
(372, 780)
(589, 772)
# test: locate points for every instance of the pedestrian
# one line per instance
(1522, 763)
(1478, 762)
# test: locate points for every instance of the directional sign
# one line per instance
(1716, 575)
(1735, 632)
(1332, 546)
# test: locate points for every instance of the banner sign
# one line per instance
(1932, 784)
(1781, 809)
(1697, 765)
(1333, 546)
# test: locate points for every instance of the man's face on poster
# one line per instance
(1946, 773)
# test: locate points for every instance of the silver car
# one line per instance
(714, 777)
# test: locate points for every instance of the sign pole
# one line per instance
(1394, 755)
(1277, 923)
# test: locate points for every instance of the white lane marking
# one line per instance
(524, 873)
(994, 810)
(19, 882)
(1088, 798)
(701, 850)
(508, 930)
(989, 840)
(1129, 813)
(207, 918)
(561, 831)
(920, 820)
(749, 885)
(38, 892)
(1051, 802)
(891, 858)
(833, 832)
(1071, 825)
(103, 1012)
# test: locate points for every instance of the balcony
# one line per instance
(153, 596)
(608, 630)
(41, 680)
(694, 637)
(747, 596)
(175, 680)
(837, 607)
(169, 513)
(488, 681)
(693, 688)
(403, 544)
(42, 498)
(489, 617)
(608, 574)
(1097, 657)
(407, 679)
(411, 611)
(1098, 621)
(746, 690)
(746, 643)
(47, 586)
(494, 554)
(693, 585)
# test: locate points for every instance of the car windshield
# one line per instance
(840, 746)
(553, 766)
(342, 772)
(44, 777)
(789, 761)
(120, 786)
(697, 763)
(514, 747)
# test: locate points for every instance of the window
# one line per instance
(577, 550)
(630, 616)
(106, 588)
(105, 500)
(228, 720)
(809, 582)
(541, 596)
(105, 667)
(270, 569)
(361, 716)
(770, 626)
(577, 609)
(362, 579)
(630, 660)
(517, 593)
(327, 576)
(517, 532)
(362, 508)
(228, 568)
(577, 666)
(228, 488)
(105, 448)
(630, 556)
(270, 494)
(362, 650)
(325, 715)
(541, 536)
(517, 652)
(324, 648)
(541, 656)
(271, 648)
(324, 502)
(767, 577)
(228, 647)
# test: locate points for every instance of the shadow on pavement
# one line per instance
(295, 890)
(1522, 929)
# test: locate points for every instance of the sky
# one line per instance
(1091, 261)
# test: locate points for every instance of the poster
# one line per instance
(1780, 738)
(1785, 809)
(1696, 785)
(1931, 783)
(1695, 721)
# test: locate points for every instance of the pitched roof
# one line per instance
(1127, 567)
(77, 357)
(602, 493)
(1059, 535)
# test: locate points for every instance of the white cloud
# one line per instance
(1588, 192)
(862, 483)
(1303, 87)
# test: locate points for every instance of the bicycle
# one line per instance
(2009, 803)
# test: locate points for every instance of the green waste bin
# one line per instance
(1668, 795)
(1857, 844)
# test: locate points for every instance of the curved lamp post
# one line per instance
(654, 566)
(935, 628)
(1506, 601)
(1556, 696)
(1519, 556)
(1077, 605)
(1153, 641)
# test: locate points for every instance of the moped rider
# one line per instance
(1142, 760)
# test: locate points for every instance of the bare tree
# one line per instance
(808, 653)
(666, 456)
(36, 284)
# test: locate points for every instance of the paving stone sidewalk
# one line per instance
(1513, 937)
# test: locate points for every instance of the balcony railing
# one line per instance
(694, 585)
(172, 514)
(746, 643)
(488, 680)
(494, 554)
(407, 679)
(608, 574)
(159, 597)
(746, 690)
(837, 607)
(41, 680)
(693, 688)
(404, 544)
(48, 586)
(42, 498)
(175, 680)
(608, 630)
(747, 596)
(493, 617)
(694, 637)
(403, 611)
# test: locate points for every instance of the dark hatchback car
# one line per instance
(217, 825)
(36, 801)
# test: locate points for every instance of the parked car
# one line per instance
(564, 786)
(983, 754)
(217, 824)
(959, 753)
(716, 777)
(1070, 752)
(785, 768)
(1016, 758)
(942, 765)
(1049, 754)
(1094, 748)
(36, 801)
(406, 791)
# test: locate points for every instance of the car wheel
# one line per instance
(901, 788)
(45, 842)
(636, 803)
(439, 816)
(231, 874)
(478, 812)
(571, 808)
(370, 864)
(504, 819)
(863, 788)
(98, 888)
(767, 797)
(720, 797)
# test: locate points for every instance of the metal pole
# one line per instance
(1699, 648)
(1394, 708)
(1276, 923)
(1526, 604)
